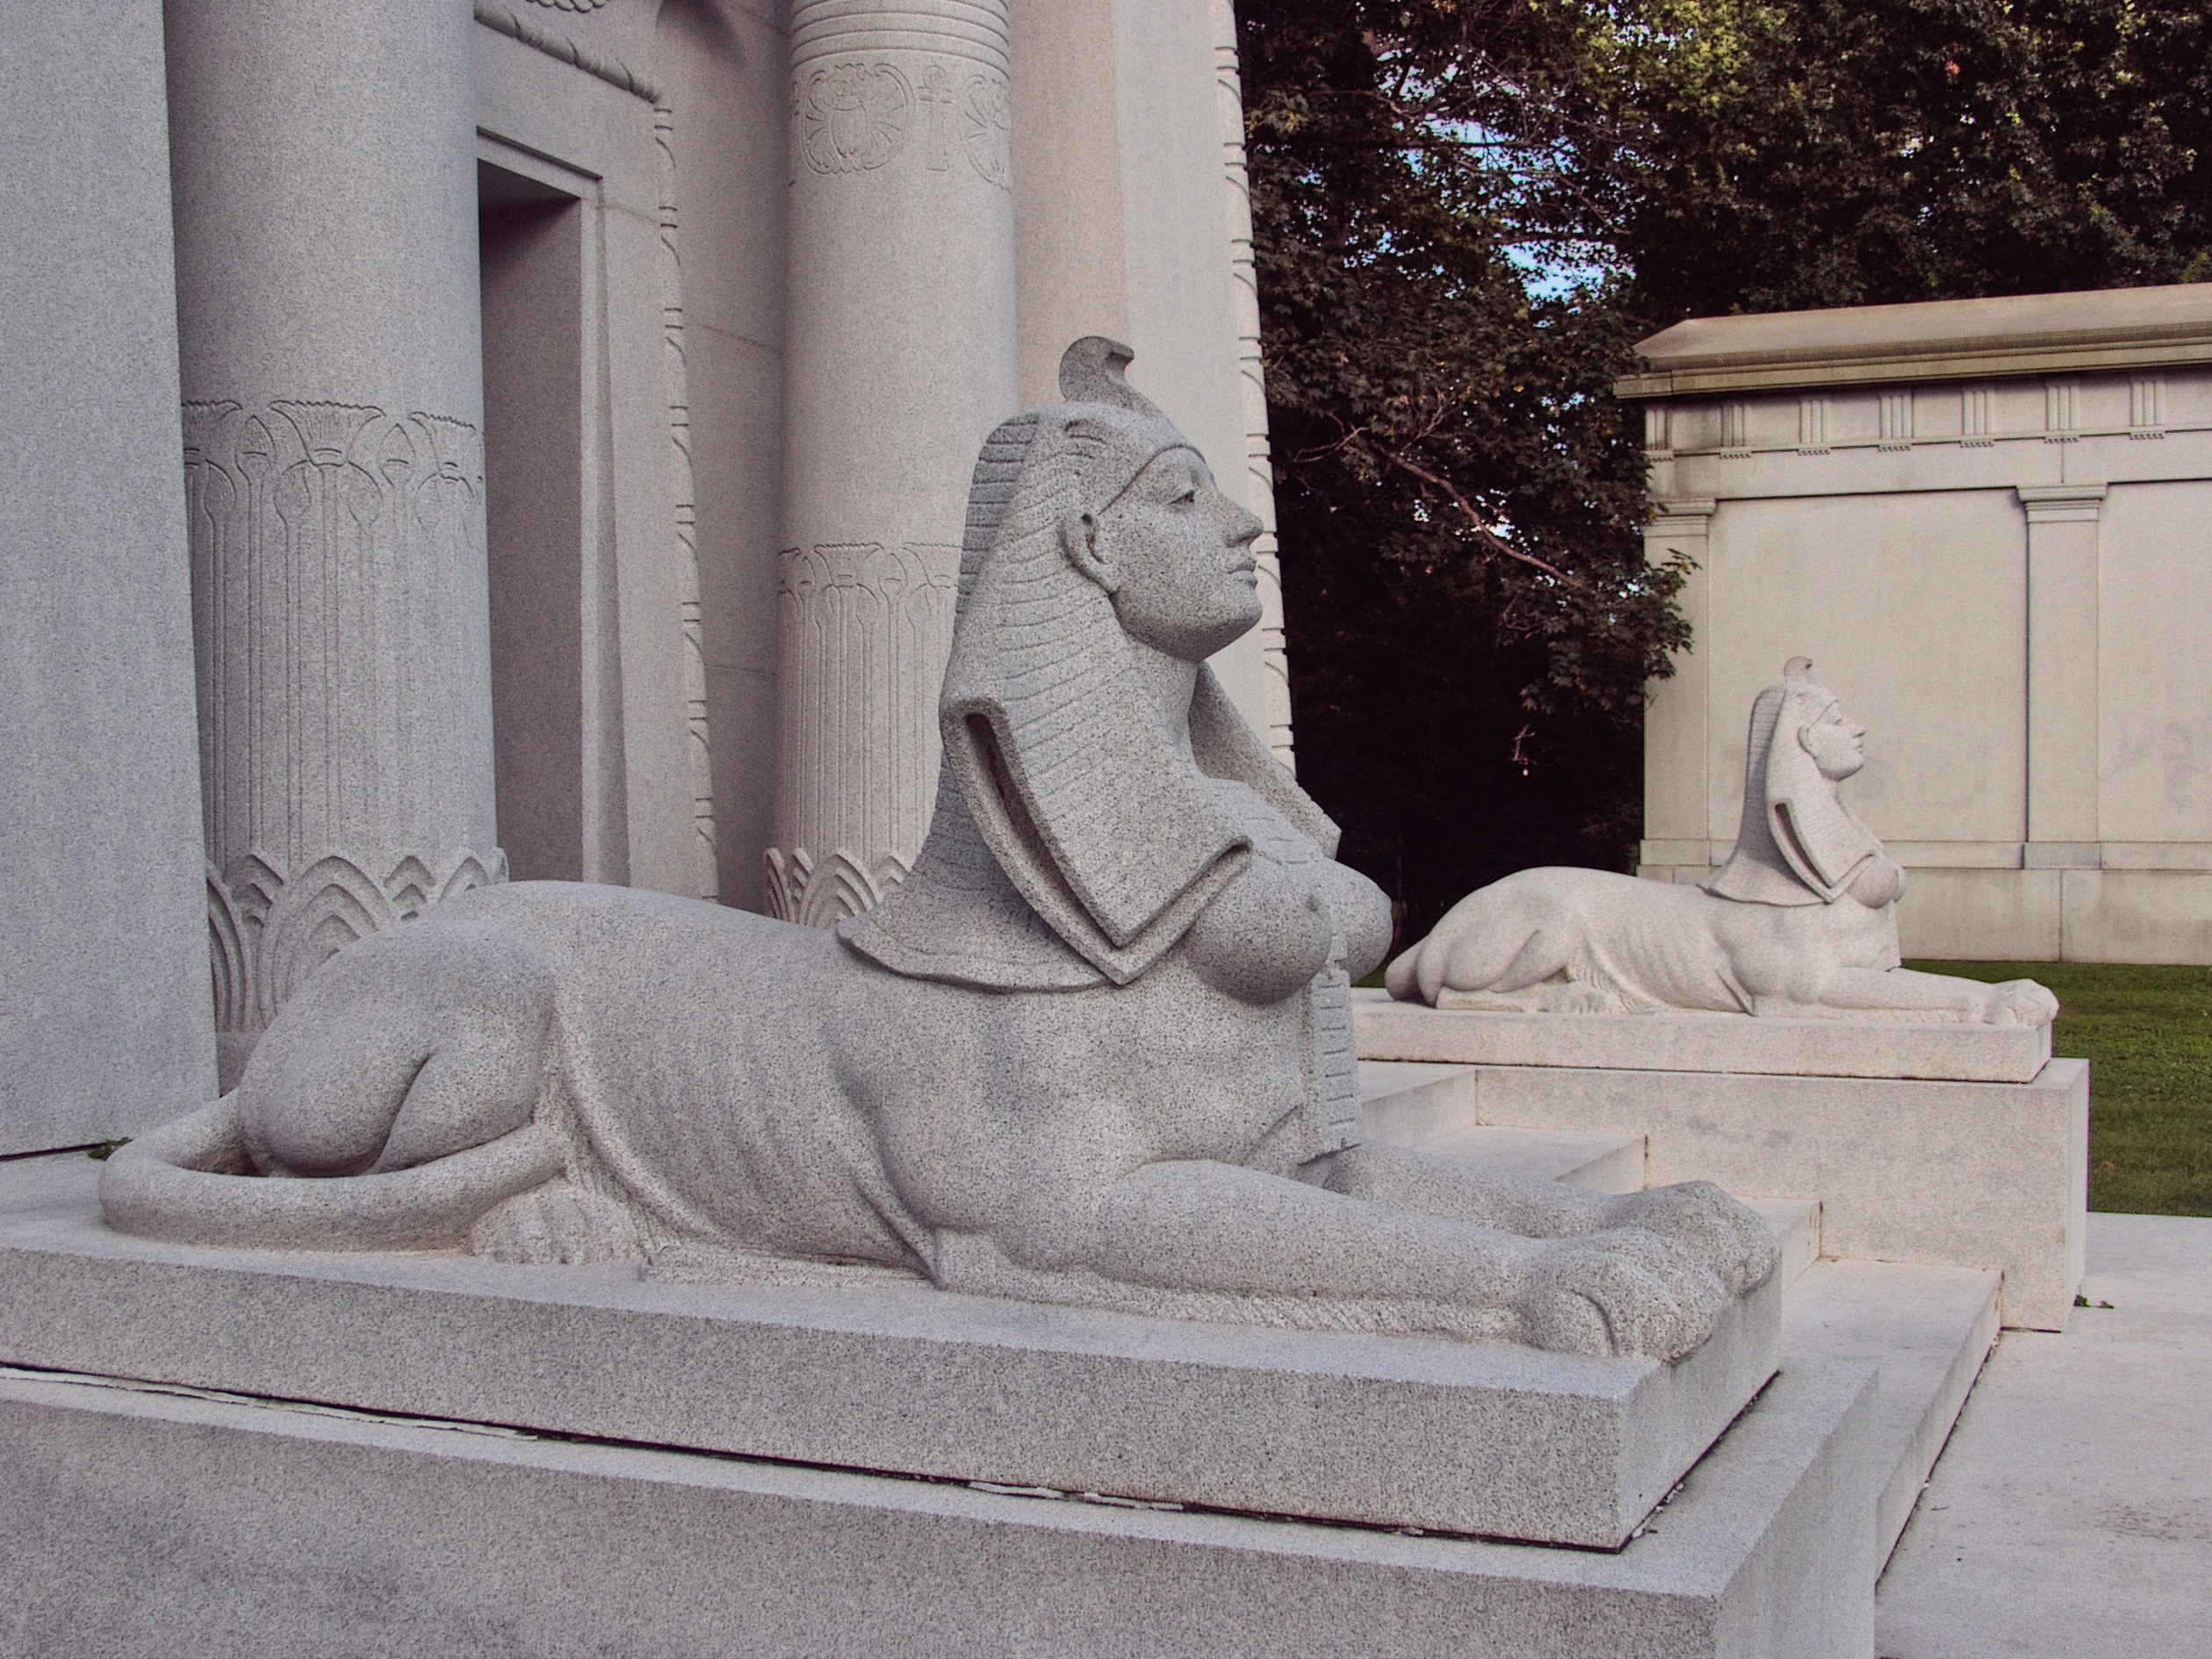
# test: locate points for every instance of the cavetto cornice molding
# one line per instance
(506, 21)
(1944, 340)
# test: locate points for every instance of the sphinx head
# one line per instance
(1811, 717)
(1802, 745)
(1095, 534)
(1104, 490)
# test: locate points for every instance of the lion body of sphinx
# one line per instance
(709, 1076)
(1560, 939)
(1800, 922)
(1097, 1048)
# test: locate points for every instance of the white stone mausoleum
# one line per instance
(1984, 521)
(575, 401)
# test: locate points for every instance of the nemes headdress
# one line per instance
(1071, 845)
(1798, 843)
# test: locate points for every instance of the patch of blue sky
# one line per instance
(1549, 268)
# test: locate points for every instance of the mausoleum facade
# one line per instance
(531, 440)
(1984, 521)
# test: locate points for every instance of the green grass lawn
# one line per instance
(2147, 1034)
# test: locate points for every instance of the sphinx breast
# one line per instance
(1362, 914)
(1264, 936)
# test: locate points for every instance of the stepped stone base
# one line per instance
(142, 1524)
(1488, 1439)
(1959, 1175)
(1392, 1030)
(146, 1520)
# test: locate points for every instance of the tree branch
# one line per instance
(1397, 459)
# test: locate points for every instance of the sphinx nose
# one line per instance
(1242, 527)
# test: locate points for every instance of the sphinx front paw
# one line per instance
(1727, 1238)
(1626, 1293)
(2017, 1002)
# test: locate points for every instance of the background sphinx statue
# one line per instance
(1801, 922)
(1096, 1050)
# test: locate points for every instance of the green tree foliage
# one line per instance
(1467, 211)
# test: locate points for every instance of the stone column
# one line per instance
(898, 359)
(1259, 465)
(2062, 674)
(1681, 818)
(329, 330)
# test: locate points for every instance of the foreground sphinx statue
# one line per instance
(1095, 1051)
(1801, 922)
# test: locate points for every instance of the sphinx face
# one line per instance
(1180, 555)
(1836, 742)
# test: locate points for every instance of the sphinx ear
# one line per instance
(1080, 540)
(1805, 739)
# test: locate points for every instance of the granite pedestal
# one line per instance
(140, 1524)
(143, 1517)
(1729, 1042)
(880, 1374)
(1908, 1165)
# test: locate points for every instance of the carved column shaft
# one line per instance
(899, 359)
(329, 328)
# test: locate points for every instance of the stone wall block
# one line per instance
(104, 996)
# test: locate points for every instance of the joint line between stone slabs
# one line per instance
(510, 1432)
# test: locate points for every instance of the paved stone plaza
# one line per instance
(2071, 1515)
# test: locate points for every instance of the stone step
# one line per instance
(1926, 1331)
(1969, 1175)
(1599, 1163)
(1795, 1224)
(254, 1529)
(1419, 1106)
(1405, 1102)
(1926, 1328)
(1410, 1104)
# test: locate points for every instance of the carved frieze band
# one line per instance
(822, 893)
(268, 931)
(972, 31)
(925, 79)
(866, 629)
(855, 116)
(337, 558)
(504, 20)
